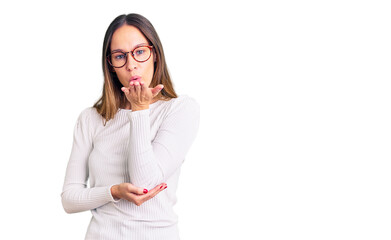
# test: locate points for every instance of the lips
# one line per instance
(135, 78)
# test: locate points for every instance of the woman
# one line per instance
(131, 143)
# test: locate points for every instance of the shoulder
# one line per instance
(183, 107)
(87, 113)
(183, 102)
(90, 116)
(88, 122)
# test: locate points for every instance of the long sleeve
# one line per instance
(76, 197)
(153, 162)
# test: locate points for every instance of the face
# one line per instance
(125, 39)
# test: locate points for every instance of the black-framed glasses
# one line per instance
(118, 59)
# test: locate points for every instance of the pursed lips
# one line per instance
(135, 78)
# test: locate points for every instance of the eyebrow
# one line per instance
(138, 45)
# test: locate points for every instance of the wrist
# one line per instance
(115, 192)
(139, 108)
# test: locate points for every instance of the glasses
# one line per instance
(118, 59)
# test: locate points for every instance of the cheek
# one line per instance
(149, 71)
(122, 77)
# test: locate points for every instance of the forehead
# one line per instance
(126, 38)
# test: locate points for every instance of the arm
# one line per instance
(76, 197)
(151, 163)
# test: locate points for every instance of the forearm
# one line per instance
(144, 169)
(78, 199)
(153, 161)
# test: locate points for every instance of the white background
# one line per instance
(295, 135)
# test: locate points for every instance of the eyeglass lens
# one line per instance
(140, 54)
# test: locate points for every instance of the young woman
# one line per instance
(130, 145)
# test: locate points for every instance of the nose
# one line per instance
(131, 63)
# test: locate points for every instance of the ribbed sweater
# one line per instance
(145, 148)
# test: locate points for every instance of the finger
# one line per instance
(153, 192)
(132, 90)
(137, 87)
(157, 89)
(143, 87)
(125, 90)
(137, 190)
(146, 91)
(140, 199)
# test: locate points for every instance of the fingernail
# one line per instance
(165, 187)
(161, 186)
(145, 191)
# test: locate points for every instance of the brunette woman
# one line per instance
(131, 144)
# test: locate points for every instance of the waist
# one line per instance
(154, 210)
(117, 229)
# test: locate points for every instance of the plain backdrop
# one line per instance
(295, 133)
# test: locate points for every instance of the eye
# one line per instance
(119, 56)
(139, 51)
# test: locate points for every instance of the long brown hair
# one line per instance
(112, 96)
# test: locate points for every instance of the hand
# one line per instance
(139, 95)
(134, 194)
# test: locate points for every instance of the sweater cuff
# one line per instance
(138, 114)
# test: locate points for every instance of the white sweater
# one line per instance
(145, 148)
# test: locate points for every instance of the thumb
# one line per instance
(157, 89)
(137, 190)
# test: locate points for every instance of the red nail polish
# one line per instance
(165, 187)
(161, 186)
(145, 190)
